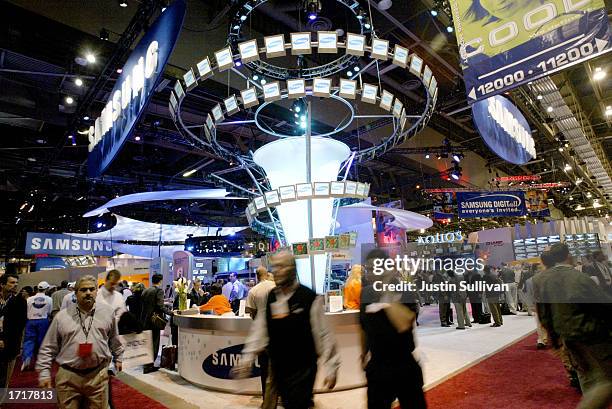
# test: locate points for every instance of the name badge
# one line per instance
(85, 349)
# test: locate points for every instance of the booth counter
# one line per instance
(210, 346)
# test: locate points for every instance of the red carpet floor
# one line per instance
(519, 377)
(124, 396)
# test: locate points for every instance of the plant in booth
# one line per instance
(181, 285)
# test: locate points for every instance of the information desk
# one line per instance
(210, 346)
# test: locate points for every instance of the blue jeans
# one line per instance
(35, 331)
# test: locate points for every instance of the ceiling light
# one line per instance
(238, 63)
(608, 110)
(31, 159)
(434, 13)
(599, 74)
(137, 138)
(367, 26)
(90, 58)
(119, 70)
(385, 4)
(242, 18)
(427, 156)
(567, 167)
(31, 208)
(449, 29)
(549, 109)
(456, 175)
(560, 149)
(104, 34)
(69, 100)
(349, 74)
(457, 157)
(78, 82)
(596, 205)
(539, 97)
(356, 69)
(23, 206)
(263, 82)
(189, 173)
(255, 77)
(123, 3)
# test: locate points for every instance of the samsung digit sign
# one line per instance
(504, 129)
(134, 88)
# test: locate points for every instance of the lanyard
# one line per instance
(86, 331)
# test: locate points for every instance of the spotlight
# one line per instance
(549, 109)
(560, 149)
(255, 77)
(123, 3)
(456, 175)
(99, 225)
(242, 18)
(599, 74)
(609, 110)
(434, 13)
(312, 9)
(457, 157)
(540, 97)
(356, 69)
(427, 156)
(70, 136)
(438, 156)
(567, 167)
(263, 82)
(189, 173)
(367, 26)
(137, 138)
(450, 29)
(90, 58)
(69, 100)
(303, 125)
(85, 118)
(349, 74)
(119, 70)
(78, 82)
(238, 63)
(104, 34)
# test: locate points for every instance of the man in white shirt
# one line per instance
(69, 298)
(126, 292)
(40, 306)
(108, 294)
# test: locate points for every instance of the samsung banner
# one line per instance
(64, 245)
(503, 44)
(504, 129)
(135, 86)
(490, 204)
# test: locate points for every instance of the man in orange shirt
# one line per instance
(352, 289)
(218, 303)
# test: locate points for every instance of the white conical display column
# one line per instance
(284, 162)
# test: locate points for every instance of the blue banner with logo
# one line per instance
(64, 245)
(504, 129)
(134, 88)
(491, 204)
(504, 44)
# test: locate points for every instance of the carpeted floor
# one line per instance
(519, 377)
(124, 397)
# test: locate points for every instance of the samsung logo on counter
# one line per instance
(327, 40)
(300, 41)
(504, 129)
(248, 49)
(64, 245)
(274, 43)
(136, 84)
(295, 86)
(356, 42)
(220, 363)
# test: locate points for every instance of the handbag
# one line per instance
(168, 357)
(158, 321)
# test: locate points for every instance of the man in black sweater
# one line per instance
(13, 315)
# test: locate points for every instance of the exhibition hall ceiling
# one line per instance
(39, 68)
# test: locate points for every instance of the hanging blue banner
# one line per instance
(134, 88)
(64, 245)
(504, 129)
(504, 44)
(491, 204)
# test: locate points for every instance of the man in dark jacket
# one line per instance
(13, 312)
(576, 313)
(493, 296)
(153, 302)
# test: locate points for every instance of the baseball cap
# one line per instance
(43, 285)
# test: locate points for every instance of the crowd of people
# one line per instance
(77, 325)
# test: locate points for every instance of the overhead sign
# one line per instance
(491, 204)
(518, 178)
(504, 44)
(134, 88)
(438, 238)
(64, 245)
(504, 129)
